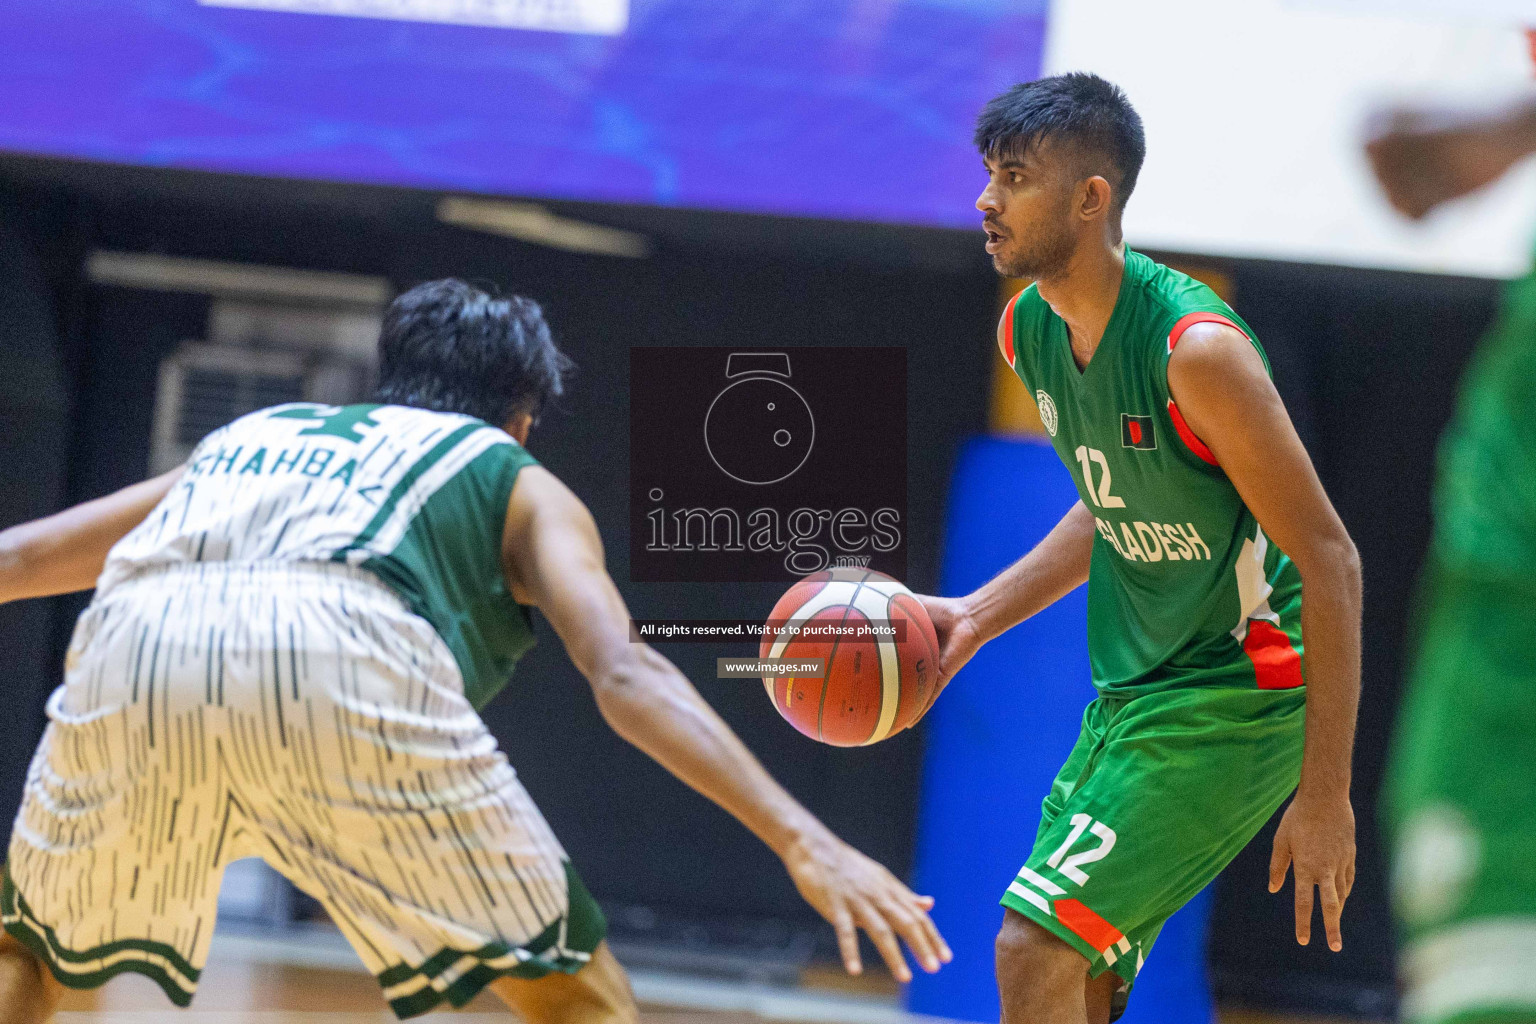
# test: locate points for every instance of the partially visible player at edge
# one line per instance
(1460, 798)
(1200, 526)
(284, 657)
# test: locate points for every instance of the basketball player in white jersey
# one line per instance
(288, 642)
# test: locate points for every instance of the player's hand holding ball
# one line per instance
(959, 638)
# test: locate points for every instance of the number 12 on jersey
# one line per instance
(1087, 458)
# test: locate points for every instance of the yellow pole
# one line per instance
(1013, 408)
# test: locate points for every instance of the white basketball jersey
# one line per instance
(416, 496)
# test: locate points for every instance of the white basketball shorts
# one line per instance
(300, 713)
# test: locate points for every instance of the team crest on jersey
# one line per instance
(1136, 432)
(1047, 411)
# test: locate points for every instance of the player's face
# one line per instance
(1027, 214)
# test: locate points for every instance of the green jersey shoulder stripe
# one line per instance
(412, 478)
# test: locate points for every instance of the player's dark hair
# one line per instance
(1084, 109)
(448, 346)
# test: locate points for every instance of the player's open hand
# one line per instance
(1316, 840)
(959, 638)
(852, 892)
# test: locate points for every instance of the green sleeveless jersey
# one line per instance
(418, 498)
(1184, 588)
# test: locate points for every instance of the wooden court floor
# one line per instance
(240, 988)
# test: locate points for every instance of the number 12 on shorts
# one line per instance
(1072, 866)
(1069, 864)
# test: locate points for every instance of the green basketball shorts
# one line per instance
(1159, 794)
(1460, 805)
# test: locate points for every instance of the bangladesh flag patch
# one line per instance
(1136, 432)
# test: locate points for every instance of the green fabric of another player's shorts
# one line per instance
(1159, 794)
(1460, 804)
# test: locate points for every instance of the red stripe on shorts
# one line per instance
(1087, 925)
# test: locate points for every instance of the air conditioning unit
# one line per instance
(204, 386)
(275, 335)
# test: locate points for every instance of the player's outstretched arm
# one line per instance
(553, 558)
(1220, 384)
(1051, 570)
(63, 553)
(1423, 158)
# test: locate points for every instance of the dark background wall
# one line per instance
(1366, 362)
(36, 396)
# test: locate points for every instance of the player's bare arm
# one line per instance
(1051, 570)
(1220, 384)
(1054, 568)
(63, 553)
(553, 559)
(1427, 157)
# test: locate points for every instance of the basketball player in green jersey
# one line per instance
(1209, 548)
(1461, 787)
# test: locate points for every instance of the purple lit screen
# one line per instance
(857, 109)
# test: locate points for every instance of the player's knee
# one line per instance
(625, 1011)
(1033, 962)
(617, 1002)
(31, 988)
(609, 985)
(599, 993)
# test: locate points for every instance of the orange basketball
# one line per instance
(876, 684)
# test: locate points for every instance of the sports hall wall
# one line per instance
(78, 390)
